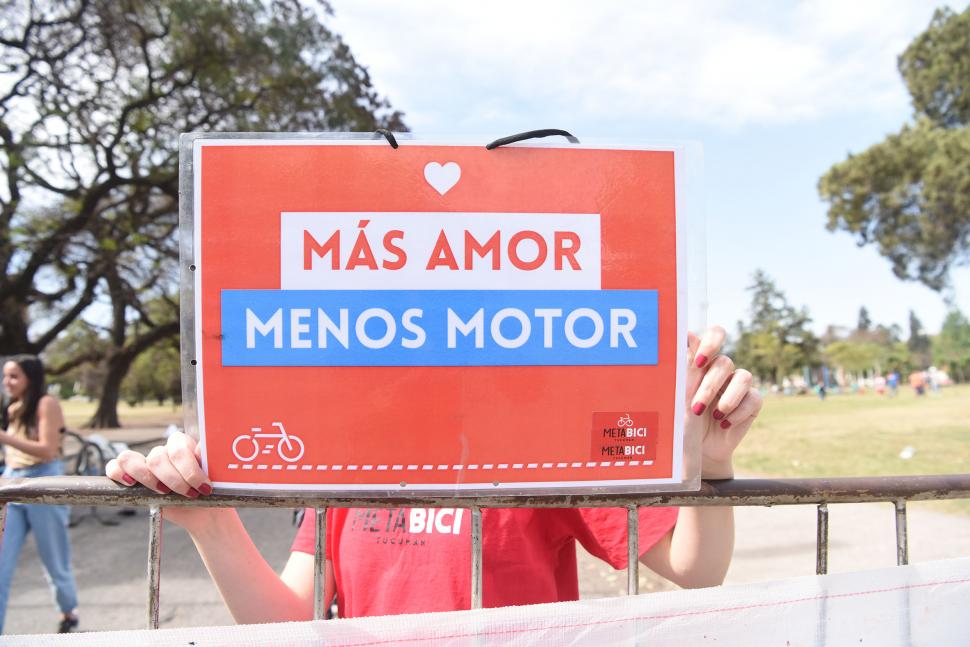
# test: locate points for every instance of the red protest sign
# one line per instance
(436, 317)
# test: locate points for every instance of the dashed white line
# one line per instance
(440, 467)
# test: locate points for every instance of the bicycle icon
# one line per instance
(625, 421)
(290, 448)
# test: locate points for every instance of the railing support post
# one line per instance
(154, 564)
(822, 540)
(476, 602)
(902, 538)
(320, 566)
(632, 550)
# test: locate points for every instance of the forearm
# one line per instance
(701, 545)
(251, 589)
(42, 450)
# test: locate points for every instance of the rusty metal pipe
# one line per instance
(99, 490)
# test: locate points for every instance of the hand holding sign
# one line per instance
(721, 402)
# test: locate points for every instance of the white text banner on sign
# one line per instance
(439, 251)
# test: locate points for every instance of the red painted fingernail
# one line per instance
(700, 360)
(725, 424)
(127, 479)
(205, 489)
(192, 493)
(717, 415)
(163, 488)
(698, 408)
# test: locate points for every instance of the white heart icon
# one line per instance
(442, 177)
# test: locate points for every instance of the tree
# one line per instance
(951, 348)
(910, 194)
(93, 97)
(918, 343)
(855, 356)
(155, 374)
(865, 323)
(778, 340)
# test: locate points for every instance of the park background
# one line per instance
(837, 180)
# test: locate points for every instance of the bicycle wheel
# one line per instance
(294, 454)
(239, 444)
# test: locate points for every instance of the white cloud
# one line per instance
(457, 66)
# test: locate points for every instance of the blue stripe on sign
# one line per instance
(439, 327)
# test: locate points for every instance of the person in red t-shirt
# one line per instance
(387, 561)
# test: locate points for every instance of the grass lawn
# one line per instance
(149, 414)
(861, 435)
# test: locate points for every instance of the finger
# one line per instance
(745, 413)
(708, 346)
(734, 392)
(182, 453)
(133, 465)
(715, 378)
(161, 466)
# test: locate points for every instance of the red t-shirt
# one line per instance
(416, 560)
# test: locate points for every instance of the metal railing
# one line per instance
(898, 490)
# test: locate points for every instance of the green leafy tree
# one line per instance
(777, 341)
(155, 375)
(93, 97)
(855, 356)
(918, 342)
(951, 348)
(910, 194)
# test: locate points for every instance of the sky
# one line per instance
(775, 92)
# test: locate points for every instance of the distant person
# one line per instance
(820, 389)
(933, 377)
(892, 383)
(917, 380)
(33, 424)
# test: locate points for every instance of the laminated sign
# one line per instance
(433, 318)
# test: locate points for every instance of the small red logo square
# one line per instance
(625, 436)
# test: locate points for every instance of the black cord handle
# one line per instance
(532, 134)
(388, 135)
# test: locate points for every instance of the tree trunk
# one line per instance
(118, 362)
(13, 329)
(106, 415)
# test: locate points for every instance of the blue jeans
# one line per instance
(49, 523)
